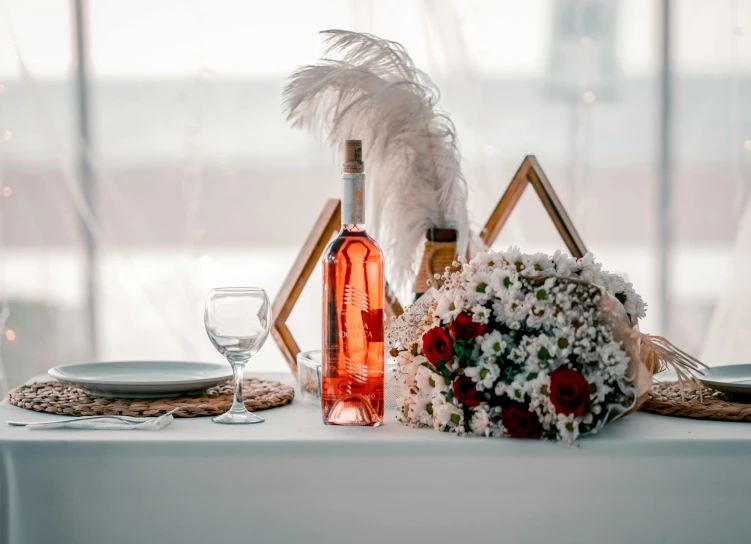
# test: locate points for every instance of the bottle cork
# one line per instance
(353, 157)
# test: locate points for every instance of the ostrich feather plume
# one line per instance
(368, 88)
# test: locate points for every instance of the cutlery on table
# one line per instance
(124, 421)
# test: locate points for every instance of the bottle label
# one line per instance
(353, 210)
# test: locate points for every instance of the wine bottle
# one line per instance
(353, 356)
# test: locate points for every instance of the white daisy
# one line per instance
(492, 343)
(541, 351)
(480, 314)
(425, 380)
(501, 279)
(568, 428)
(498, 311)
(418, 411)
(514, 258)
(484, 375)
(537, 264)
(515, 310)
(446, 309)
(564, 340)
(479, 284)
(564, 264)
(446, 414)
(480, 422)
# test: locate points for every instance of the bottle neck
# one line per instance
(353, 203)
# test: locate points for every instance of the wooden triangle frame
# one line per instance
(530, 172)
(328, 223)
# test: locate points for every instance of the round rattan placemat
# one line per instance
(703, 403)
(60, 398)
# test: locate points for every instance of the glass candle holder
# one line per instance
(309, 376)
(309, 379)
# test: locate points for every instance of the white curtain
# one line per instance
(197, 180)
(730, 329)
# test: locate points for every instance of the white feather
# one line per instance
(374, 93)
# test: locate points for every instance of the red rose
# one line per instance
(569, 391)
(463, 328)
(466, 392)
(437, 345)
(520, 422)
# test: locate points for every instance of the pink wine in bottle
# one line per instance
(353, 358)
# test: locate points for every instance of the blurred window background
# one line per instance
(145, 157)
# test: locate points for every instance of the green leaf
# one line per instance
(543, 354)
(506, 281)
(510, 373)
(481, 287)
(447, 380)
(428, 365)
(455, 418)
(531, 376)
(431, 382)
(445, 372)
(429, 408)
(450, 394)
(518, 394)
(542, 294)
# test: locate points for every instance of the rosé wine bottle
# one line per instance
(353, 358)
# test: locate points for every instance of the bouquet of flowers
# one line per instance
(528, 346)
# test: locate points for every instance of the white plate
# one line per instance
(142, 379)
(728, 378)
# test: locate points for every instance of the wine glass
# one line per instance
(237, 320)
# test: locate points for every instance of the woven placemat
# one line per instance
(60, 398)
(701, 403)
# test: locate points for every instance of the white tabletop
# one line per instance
(299, 425)
(294, 479)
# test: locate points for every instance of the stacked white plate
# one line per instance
(143, 379)
(729, 378)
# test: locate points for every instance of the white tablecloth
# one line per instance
(646, 479)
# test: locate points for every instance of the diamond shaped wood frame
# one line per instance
(325, 227)
(530, 172)
(329, 221)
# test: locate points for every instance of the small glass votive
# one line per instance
(309, 378)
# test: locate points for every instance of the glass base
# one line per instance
(240, 418)
(354, 410)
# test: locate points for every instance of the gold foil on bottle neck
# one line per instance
(352, 163)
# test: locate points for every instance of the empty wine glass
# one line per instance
(237, 321)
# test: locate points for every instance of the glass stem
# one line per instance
(238, 405)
